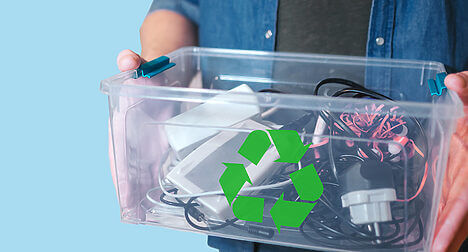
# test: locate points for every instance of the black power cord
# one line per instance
(328, 220)
(191, 211)
(328, 223)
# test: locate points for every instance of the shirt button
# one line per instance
(379, 41)
(268, 34)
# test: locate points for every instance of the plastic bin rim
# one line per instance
(298, 57)
(111, 87)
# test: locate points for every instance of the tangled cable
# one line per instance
(329, 223)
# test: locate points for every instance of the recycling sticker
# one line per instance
(306, 181)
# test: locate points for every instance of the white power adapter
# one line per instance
(188, 130)
(369, 206)
(368, 190)
(200, 171)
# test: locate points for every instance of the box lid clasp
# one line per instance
(154, 67)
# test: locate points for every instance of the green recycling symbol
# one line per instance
(306, 181)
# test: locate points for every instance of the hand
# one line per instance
(162, 31)
(452, 223)
(128, 60)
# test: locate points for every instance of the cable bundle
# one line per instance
(329, 223)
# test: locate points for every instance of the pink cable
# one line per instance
(319, 144)
(361, 122)
(399, 124)
(419, 189)
(416, 148)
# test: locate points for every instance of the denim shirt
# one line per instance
(434, 30)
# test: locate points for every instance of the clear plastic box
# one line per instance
(380, 162)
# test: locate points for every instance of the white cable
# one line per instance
(210, 193)
(268, 112)
(150, 199)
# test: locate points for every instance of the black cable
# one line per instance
(328, 219)
(270, 90)
(364, 92)
(190, 210)
(387, 241)
(259, 231)
(356, 89)
(338, 81)
(328, 116)
(179, 203)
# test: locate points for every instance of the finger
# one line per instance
(128, 60)
(458, 82)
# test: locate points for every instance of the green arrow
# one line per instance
(255, 146)
(248, 208)
(289, 145)
(307, 183)
(232, 180)
(289, 213)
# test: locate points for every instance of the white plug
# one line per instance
(369, 206)
(200, 171)
(188, 130)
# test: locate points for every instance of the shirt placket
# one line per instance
(268, 30)
(379, 43)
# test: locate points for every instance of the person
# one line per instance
(423, 30)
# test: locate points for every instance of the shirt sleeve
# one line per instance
(187, 8)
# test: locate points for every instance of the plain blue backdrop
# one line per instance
(56, 190)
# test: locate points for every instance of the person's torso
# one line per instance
(417, 29)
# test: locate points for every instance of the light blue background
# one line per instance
(56, 190)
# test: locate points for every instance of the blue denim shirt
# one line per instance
(435, 30)
(418, 29)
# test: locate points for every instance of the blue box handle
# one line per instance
(436, 86)
(154, 67)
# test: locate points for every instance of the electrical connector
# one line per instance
(369, 206)
(188, 130)
(368, 189)
(200, 171)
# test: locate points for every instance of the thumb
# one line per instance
(128, 60)
(458, 82)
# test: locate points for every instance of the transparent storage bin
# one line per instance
(380, 162)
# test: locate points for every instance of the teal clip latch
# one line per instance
(156, 66)
(436, 86)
